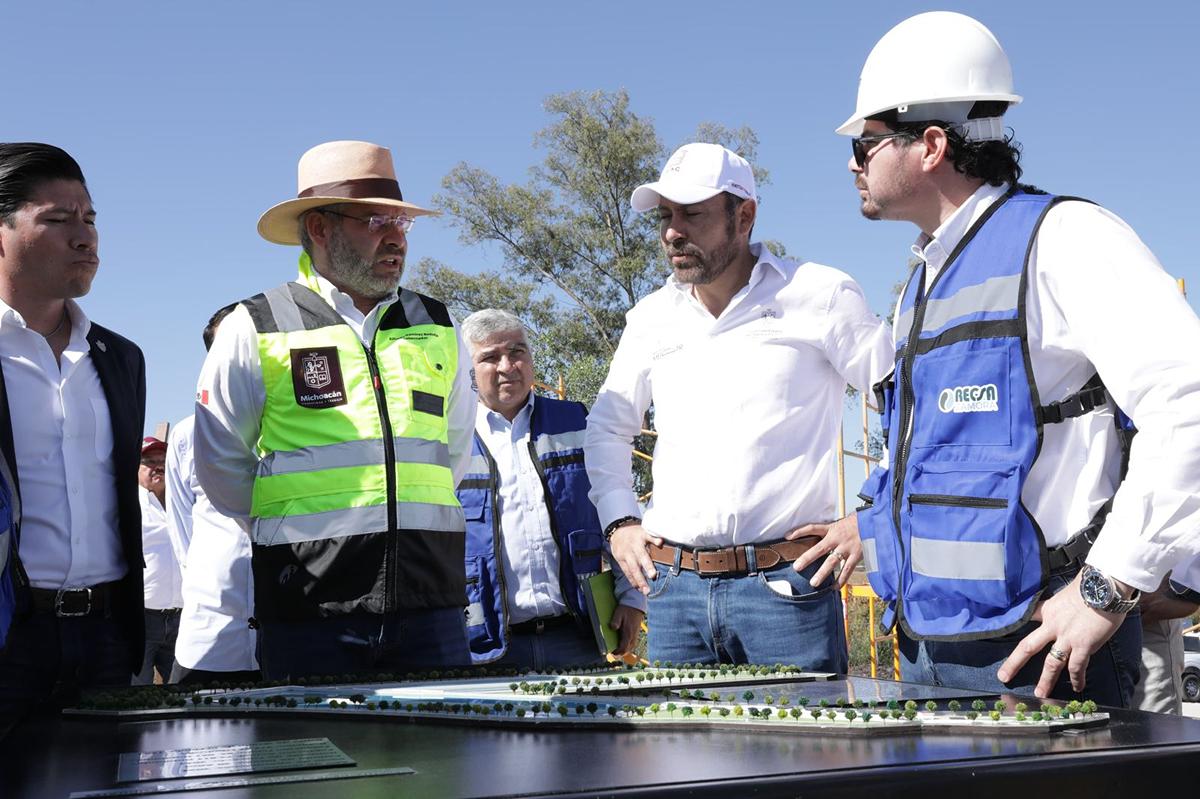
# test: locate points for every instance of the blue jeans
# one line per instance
(743, 619)
(1112, 672)
(47, 661)
(558, 647)
(162, 628)
(364, 644)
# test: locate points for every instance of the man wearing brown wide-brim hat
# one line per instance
(333, 419)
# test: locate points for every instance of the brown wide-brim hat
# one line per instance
(337, 172)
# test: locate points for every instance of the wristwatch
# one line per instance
(1100, 592)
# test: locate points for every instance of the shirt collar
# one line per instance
(496, 421)
(10, 317)
(935, 250)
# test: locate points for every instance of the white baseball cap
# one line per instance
(693, 174)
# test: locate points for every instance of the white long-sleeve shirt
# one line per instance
(231, 396)
(62, 436)
(161, 578)
(747, 405)
(218, 585)
(1100, 302)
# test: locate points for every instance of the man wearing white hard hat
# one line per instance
(745, 357)
(333, 419)
(1013, 525)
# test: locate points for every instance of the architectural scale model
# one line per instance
(778, 698)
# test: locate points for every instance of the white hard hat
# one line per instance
(934, 66)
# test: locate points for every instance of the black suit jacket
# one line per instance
(122, 370)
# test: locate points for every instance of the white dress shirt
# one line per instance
(1100, 302)
(231, 396)
(63, 440)
(530, 555)
(747, 405)
(218, 585)
(161, 578)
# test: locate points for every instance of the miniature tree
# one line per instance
(931, 706)
(784, 701)
(954, 705)
(1088, 707)
(1020, 715)
(802, 701)
(770, 700)
(738, 711)
(706, 711)
(893, 704)
(748, 696)
(1021, 707)
(520, 712)
(815, 713)
(851, 714)
(684, 693)
(840, 701)
(824, 703)
(512, 686)
(654, 708)
(995, 714)
(910, 714)
(714, 696)
(687, 711)
(978, 705)
(910, 705)
(972, 715)
(1038, 715)
(579, 710)
(670, 675)
(724, 712)
(592, 707)
(612, 711)
(781, 713)
(796, 713)
(546, 708)
(1000, 705)
(1073, 707)
(671, 708)
(866, 716)
(562, 710)
(753, 711)
(831, 714)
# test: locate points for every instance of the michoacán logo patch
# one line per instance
(969, 399)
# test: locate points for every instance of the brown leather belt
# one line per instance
(731, 560)
(67, 602)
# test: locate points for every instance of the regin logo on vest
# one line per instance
(969, 399)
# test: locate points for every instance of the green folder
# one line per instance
(601, 599)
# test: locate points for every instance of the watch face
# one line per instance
(1096, 590)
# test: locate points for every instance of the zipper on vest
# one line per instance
(497, 544)
(907, 402)
(389, 464)
(563, 559)
(955, 501)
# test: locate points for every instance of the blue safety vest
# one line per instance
(556, 449)
(947, 542)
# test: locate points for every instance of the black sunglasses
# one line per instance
(864, 144)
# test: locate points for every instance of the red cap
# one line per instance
(150, 444)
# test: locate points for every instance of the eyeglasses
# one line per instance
(377, 222)
(863, 146)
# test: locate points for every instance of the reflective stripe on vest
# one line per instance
(323, 445)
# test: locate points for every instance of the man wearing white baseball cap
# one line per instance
(745, 358)
(334, 417)
(1013, 526)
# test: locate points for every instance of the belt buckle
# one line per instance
(65, 596)
(702, 572)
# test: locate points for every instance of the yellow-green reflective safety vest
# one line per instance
(354, 439)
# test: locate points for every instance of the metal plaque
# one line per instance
(208, 761)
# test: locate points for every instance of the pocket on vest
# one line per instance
(878, 535)
(585, 547)
(963, 532)
(964, 396)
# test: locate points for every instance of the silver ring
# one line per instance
(1058, 655)
(841, 558)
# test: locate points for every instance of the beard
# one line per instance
(707, 267)
(356, 275)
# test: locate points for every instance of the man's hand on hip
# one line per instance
(628, 547)
(1072, 630)
(839, 545)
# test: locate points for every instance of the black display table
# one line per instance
(1134, 754)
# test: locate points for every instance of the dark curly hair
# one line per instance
(994, 162)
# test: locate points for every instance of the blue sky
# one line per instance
(188, 121)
